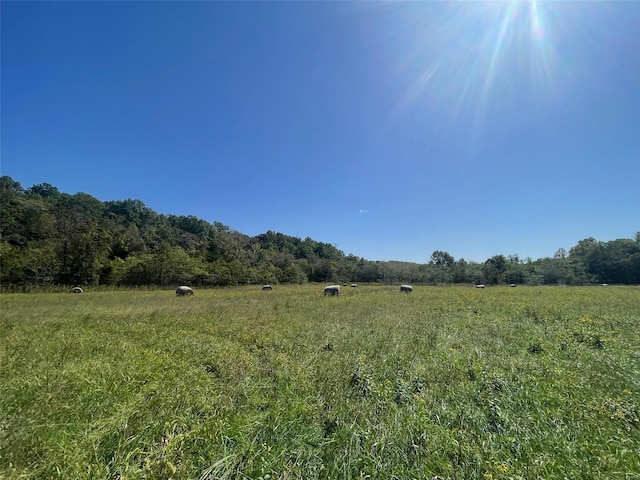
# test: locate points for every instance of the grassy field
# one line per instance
(442, 383)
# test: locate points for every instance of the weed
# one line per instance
(535, 348)
(360, 382)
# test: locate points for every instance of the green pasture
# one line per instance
(237, 383)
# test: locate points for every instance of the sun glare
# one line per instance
(536, 25)
(464, 58)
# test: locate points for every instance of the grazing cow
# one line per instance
(267, 287)
(512, 285)
(332, 290)
(184, 291)
(76, 290)
(479, 286)
(354, 285)
(406, 288)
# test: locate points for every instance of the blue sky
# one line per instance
(389, 129)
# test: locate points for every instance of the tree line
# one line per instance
(49, 238)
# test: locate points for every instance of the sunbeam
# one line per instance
(466, 61)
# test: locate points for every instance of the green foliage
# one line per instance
(533, 382)
(443, 259)
(50, 238)
(494, 269)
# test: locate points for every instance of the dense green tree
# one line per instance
(560, 253)
(552, 270)
(515, 273)
(459, 271)
(614, 261)
(293, 273)
(442, 259)
(13, 207)
(584, 248)
(127, 241)
(269, 273)
(43, 190)
(13, 260)
(494, 269)
(514, 259)
(137, 270)
(441, 264)
(83, 243)
(9, 185)
(169, 265)
(48, 237)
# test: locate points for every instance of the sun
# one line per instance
(463, 57)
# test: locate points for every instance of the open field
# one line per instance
(445, 382)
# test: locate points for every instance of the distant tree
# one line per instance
(127, 241)
(369, 271)
(40, 264)
(515, 273)
(441, 263)
(44, 190)
(12, 264)
(241, 273)
(8, 184)
(441, 259)
(560, 253)
(614, 261)
(514, 259)
(494, 269)
(326, 271)
(49, 237)
(584, 247)
(552, 271)
(293, 273)
(460, 274)
(221, 228)
(12, 211)
(130, 212)
(269, 274)
(136, 270)
(476, 273)
(83, 243)
(305, 248)
(220, 273)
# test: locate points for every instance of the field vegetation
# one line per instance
(441, 383)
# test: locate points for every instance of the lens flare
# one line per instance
(467, 61)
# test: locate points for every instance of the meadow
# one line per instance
(237, 383)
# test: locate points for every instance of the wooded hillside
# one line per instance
(48, 237)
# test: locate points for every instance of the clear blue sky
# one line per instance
(388, 129)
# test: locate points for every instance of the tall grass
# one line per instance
(239, 383)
